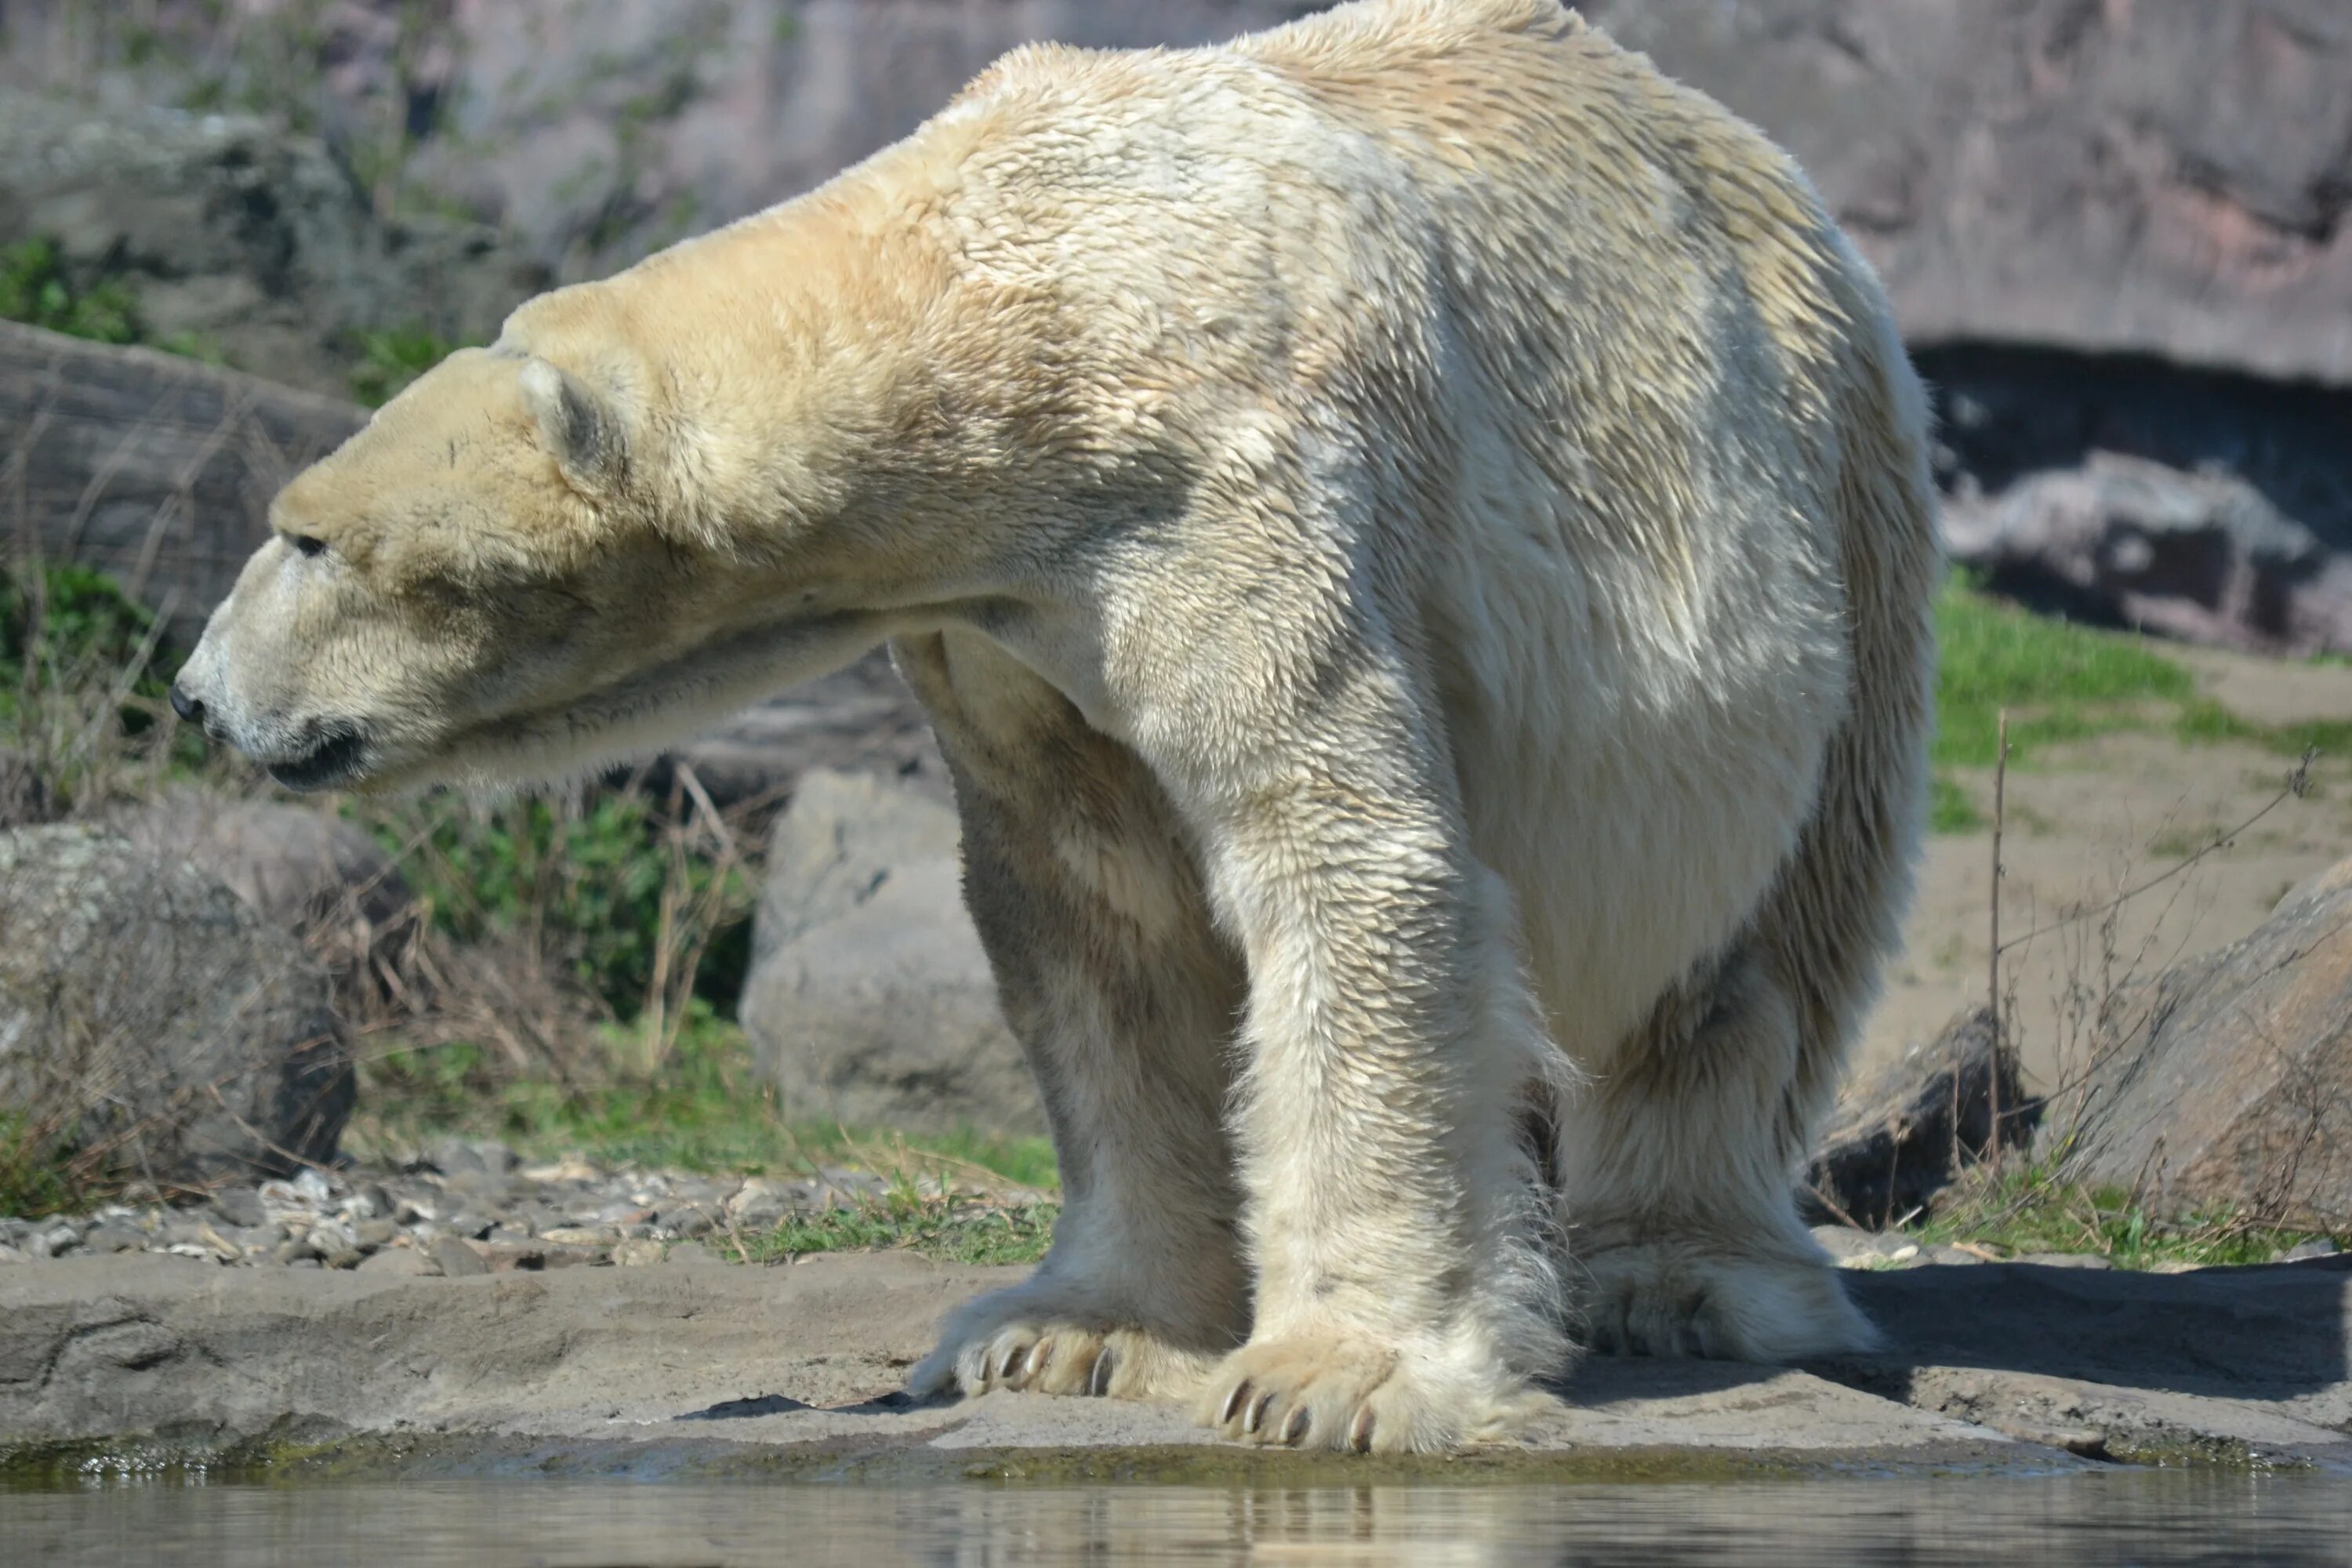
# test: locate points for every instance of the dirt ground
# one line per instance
(2087, 821)
(692, 1368)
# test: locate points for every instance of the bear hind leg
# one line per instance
(1676, 1173)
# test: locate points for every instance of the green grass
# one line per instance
(2031, 1206)
(2058, 682)
(952, 1231)
(2062, 682)
(1949, 807)
(2204, 720)
(703, 1109)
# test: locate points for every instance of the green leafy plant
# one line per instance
(598, 885)
(35, 289)
(389, 358)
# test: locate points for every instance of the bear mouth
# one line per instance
(337, 749)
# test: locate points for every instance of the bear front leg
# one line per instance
(1406, 1296)
(1124, 997)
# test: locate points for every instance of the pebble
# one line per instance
(240, 1207)
(399, 1262)
(114, 1236)
(2321, 1248)
(579, 1236)
(457, 1259)
(636, 1253)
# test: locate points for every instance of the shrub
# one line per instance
(35, 289)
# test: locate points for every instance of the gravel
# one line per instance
(471, 1208)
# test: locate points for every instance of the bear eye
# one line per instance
(306, 544)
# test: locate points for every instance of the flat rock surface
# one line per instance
(2010, 1366)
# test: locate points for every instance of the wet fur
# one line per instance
(1416, 536)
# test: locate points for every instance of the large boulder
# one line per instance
(234, 238)
(2228, 1079)
(154, 468)
(152, 1024)
(2164, 177)
(1900, 1135)
(321, 879)
(26, 798)
(859, 719)
(869, 1000)
(2127, 541)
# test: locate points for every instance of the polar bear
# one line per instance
(1415, 535)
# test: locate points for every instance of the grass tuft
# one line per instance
(952, 1229)
(2031, 1206)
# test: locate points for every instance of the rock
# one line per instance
(312, 1187)
(240, 1207)
(1845, 1241)
(112, 1238)
(321, 879)
(869, 1000)
(1890, 1147)
(241, 240)
(2064, 1260)
(1996, 1369)
(54, 1241)
(859, 720)
(2319, 885)
(635, 1254)
(26, 798)
(152, 1021)
(155, 469)
(579, 1236)
(400, 1262)
(2160, 179)
(457, 1259)
(2153, 178)
(1950, 1256)
(2129, 543)
(373, 1234)
(2305, 1252)
(2224, 1078)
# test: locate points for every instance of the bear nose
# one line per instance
(185, 706)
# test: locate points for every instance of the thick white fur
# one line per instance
(1416, 536)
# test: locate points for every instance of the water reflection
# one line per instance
(2138, 1517)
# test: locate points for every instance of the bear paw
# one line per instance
(1664, 1299)
(1306, 1393)
(1051, 1355)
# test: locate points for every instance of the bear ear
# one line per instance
(578, 427)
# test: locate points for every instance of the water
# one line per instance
(2089, 1520)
